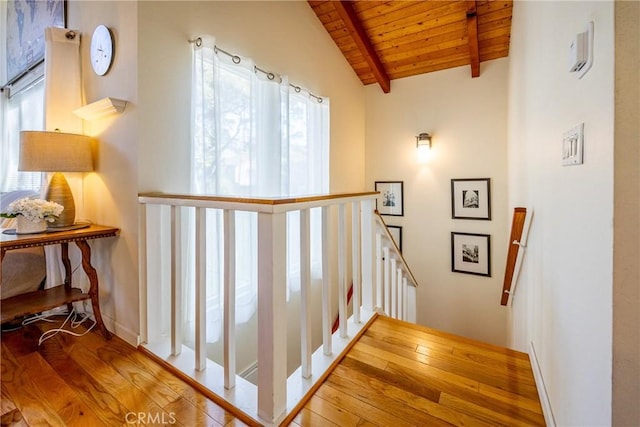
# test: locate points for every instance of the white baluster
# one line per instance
(400, 295)
(393, 271)
(305, 292)
(176, 280)
(326, 284)
(411, 304)
(405, 288)
(368, 255)
(229, 321)
(272, 318)
(201, 290)
(355, 260)
(342, 271)
(142, 273)
(387, 284)
(379, 269)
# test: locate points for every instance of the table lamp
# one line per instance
(58, 152)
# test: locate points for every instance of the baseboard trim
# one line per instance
(542, 390)
(121, 331)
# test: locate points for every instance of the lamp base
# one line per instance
(60, 192)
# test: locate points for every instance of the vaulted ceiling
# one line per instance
(386, 40)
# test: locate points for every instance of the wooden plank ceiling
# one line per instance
(387, 40)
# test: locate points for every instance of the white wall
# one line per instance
(563, 302)
(467, 118)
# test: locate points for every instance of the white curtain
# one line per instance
(62, 95)
(252, 135)
(24, 110)
(62, 79)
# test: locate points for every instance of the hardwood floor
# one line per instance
(399, 374)
(87, 381)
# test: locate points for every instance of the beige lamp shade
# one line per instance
(57, 152)
(42, 151)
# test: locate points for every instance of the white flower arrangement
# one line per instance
(34, 210)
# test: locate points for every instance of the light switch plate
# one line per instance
(573, 146)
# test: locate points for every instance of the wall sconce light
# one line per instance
(423, 144)
(56, 152)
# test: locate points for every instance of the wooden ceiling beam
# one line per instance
(352, 22)
(472, 33)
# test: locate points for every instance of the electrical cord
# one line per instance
(76, 319)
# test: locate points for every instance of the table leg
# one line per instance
(64, 254)
(93, 280)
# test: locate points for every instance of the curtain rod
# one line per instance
(236, 60)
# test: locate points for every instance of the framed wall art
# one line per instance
(26, 21)
(471, 253)
(391, 199)
(396, 233)
(471, 198)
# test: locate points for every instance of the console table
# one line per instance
(42, 300)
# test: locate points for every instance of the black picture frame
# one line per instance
(471, 198)
(396, 233)
(391, 199)
(24, 28)
(471, 253)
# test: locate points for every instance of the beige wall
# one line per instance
(109, 196)
(147, 147)
(297, 46)
(467, 118)
(563, 301)
(626, 268)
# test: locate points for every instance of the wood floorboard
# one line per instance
(500, 378)
(401, 374)
(87, 381)
(138, 360)
(351, 368)
(367, 411)
(531, 412)
(333, 413)
(35, 410)
(478, 358)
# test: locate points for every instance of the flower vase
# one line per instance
(25, 226)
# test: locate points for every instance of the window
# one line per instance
(24, 110)
(253, 134)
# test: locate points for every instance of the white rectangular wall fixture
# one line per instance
(573, 146)
(98, 109)
(581, 51)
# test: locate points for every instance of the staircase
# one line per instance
(402, 374)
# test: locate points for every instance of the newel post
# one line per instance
(368, 256)
(272, 316)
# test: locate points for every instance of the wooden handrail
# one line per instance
(414, 282)
(519, 215)
(253, 200)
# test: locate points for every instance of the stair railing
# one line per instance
(395, 283)
(382, 282)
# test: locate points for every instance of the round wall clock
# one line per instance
(101, 50)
